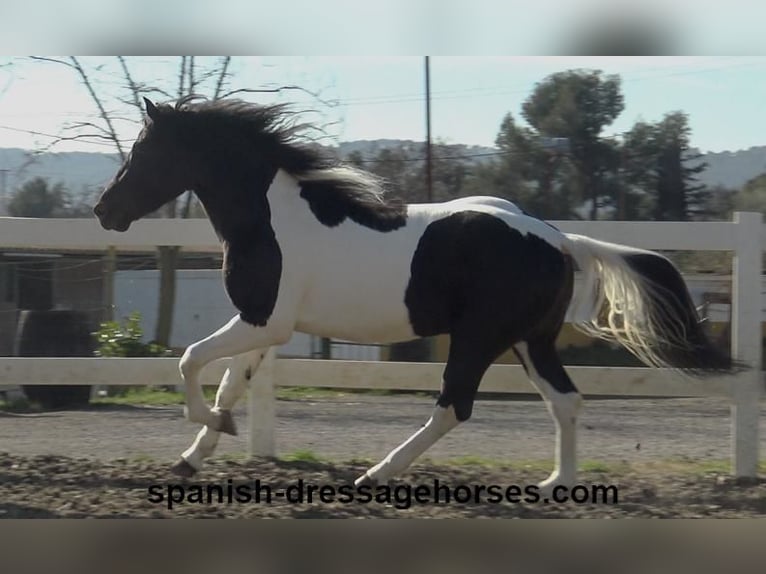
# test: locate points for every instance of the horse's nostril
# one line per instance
(98, 209)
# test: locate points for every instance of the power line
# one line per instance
(479, 91)
(509, 90)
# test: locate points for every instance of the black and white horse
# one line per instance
(315, 247)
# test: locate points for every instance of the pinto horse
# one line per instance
(316, 247)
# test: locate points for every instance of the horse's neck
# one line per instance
(242, 212)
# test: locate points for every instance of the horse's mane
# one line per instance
(273, 129)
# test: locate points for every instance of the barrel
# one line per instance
(417, 350)
(55, 333)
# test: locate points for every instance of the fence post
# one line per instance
(746, 342)
(261, 408)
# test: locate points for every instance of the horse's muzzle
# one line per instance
(107, 222)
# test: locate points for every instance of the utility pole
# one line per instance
(429, 167)
(3, 191)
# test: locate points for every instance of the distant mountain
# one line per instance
(733, 169)
(84, 172)
(80, 171)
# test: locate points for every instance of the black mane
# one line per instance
(334, 191)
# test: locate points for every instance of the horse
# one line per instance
(315, 246)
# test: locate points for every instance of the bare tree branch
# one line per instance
(148, 90)
(80, 125)
(52, 60)
(134, 88)
(77, 137)
(102, 111)
(10, 77)
(81, 136)
(222, 77)
(192, 82)
(181, 77)
(322, 130)
(281, 89)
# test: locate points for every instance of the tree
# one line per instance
(721, 201)
(752, 196)
(639, 152)
(403, 166)
(552, 181)
(578, 105)
(657, 173)
(195, 76)
(538, 177)
(36, 198)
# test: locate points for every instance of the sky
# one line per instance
(376, 98)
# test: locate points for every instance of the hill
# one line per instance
(86, 173)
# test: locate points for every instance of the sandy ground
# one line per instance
(102, 461)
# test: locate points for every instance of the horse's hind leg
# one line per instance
(546, 372)
(466, 365)
(233, 384)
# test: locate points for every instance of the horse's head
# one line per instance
(155, 172)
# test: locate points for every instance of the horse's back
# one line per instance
(511, 214)
(472, 252)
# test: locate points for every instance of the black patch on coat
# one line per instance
(252, 263)
(472, 266)
(252, 270)
(546, 361)
(331, 203)
(489, 286)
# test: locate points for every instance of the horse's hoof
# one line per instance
(365, 480)
(183, 469)
(224, 423)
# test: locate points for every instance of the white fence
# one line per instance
(745, 236)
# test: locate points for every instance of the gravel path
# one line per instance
(104, 461)
(357, 426)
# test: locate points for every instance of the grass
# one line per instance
(309, 393)
(689, 466)
(469, 460)
(19, 404)
(156, 396)
(598, 466)
(302, 455)
(152, 396)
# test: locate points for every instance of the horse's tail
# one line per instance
(639, 299)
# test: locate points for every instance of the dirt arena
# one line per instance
(666, 458)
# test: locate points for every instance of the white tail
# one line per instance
(639, 299)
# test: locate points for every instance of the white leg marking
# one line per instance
(442, 421)
(564, 408)
(232, 339)
(232, 387)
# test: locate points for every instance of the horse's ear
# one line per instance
(151, 109)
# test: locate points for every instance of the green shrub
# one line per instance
(117, 339)
(124, 340)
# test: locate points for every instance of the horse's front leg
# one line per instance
(233, 385)
(235, 338)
